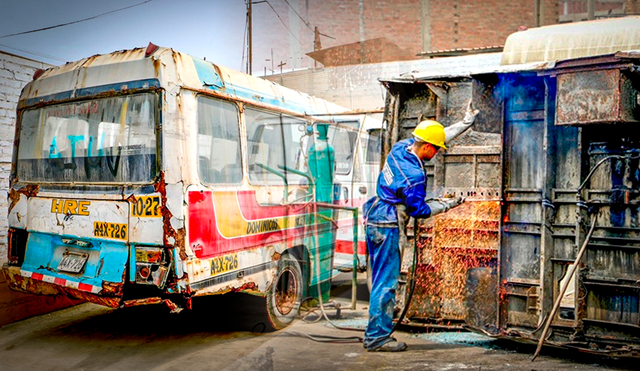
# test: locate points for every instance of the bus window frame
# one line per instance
(242, 160)
(350, 128)
(297, 121)
(158, 132)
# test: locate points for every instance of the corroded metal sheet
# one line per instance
(594, 96)
(453, 249)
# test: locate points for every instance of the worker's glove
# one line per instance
(452, 201)
(453, 131)
(470, 115)
(441, 205)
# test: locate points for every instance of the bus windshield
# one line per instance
(107, 140)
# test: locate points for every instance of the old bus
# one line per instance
(357, 149)
(148, 176)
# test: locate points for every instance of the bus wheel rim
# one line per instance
(286, 292)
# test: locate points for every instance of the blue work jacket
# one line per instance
(401, 181)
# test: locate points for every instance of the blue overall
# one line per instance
(401, 181)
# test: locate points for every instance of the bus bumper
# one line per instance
(39, 284)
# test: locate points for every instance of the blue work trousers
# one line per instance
(384, 257)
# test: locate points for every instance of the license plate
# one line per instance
(224, 263)
(110, 230)
(72, 262)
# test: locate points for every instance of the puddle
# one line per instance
(459, 338)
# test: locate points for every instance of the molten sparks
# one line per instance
(449, 246)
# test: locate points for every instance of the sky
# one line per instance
(211, 29)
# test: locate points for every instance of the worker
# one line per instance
(322, 167)
(322, 164)
(402, 181)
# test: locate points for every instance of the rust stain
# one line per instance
(92, 298)
(111, 288)
(276, 256)
(156, 67)
(19, 283)
(248, 286)
(30, 190)
(132, 199)
(136, 302)
(449, 247)
(179, 235)
(14, 197)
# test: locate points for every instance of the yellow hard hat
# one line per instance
(431, 132)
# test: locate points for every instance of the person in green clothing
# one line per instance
(322, 168)
(322, 165)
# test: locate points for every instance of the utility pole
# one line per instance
(249, 30)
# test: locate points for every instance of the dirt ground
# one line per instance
(230, 333)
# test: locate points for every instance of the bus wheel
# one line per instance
(285, 294)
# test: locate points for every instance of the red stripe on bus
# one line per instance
(205, 239)
(37, 276)
(346, 247)
(59, 281)
(85, 287)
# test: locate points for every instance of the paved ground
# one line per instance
(219, 335)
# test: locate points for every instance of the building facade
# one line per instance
(15, 72)
(295, 34)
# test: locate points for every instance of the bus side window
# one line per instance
(343, 142)
(274, 142)
(218, 142)
(373, 147)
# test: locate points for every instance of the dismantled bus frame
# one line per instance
(569, 165)
(459, 248)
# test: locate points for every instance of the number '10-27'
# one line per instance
(146, 206)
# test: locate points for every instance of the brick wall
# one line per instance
(15, 72)
(413, 25)
(465, 24)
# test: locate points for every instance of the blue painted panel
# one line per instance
(211, 80)
(207, 73)
(107, 260)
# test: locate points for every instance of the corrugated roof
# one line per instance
(462, 51)
(572, 40)
(450, 67)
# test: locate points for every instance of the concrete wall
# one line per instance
(358, 87)
(15, 72)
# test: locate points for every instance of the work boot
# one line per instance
(390, 346)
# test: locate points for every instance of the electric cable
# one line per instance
(295, 11)
(280, 18)
(78, 21)
(352, 339)
(410, 278)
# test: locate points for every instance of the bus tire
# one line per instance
(285, 294)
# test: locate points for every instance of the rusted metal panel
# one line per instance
(569, 153)
(457, 251)
(596, 96)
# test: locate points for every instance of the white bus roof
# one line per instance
(167, 69)
(572, 40)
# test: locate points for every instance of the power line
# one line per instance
(305, 22)
(78, 21)
(284, 24)
(33, 53)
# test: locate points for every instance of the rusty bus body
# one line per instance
(554, 152)
(149, 176)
